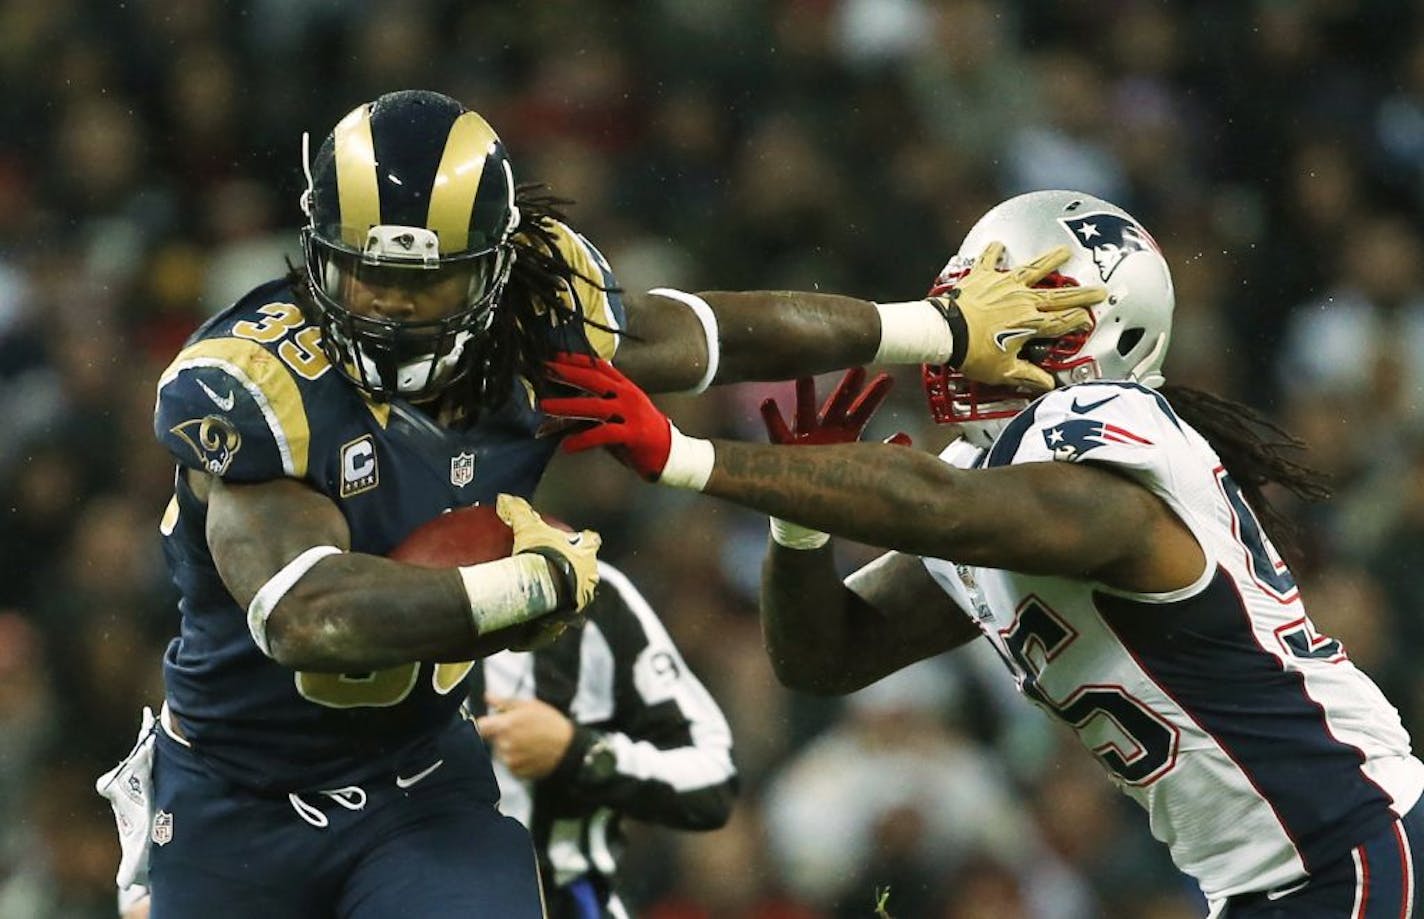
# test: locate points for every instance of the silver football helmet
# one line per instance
(1131, 328)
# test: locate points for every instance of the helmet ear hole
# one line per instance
(1129, 339)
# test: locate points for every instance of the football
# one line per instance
(469, 536)
(465, 536)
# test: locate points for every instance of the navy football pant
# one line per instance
(436, 849)
(1379, 879)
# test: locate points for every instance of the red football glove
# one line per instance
(627, 422)
(843, 417)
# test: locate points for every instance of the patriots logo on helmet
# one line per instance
(1071, 440)
(1111, 239)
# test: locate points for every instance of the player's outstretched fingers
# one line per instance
(776, 430)
(869, 401)
(839, 403)
(1052, 325)
(579, 408)
(1065, 298)
(805, 403)
(1030, 273)
(514, 510)
(1027, 375)
(604, 435)
(989, 258)
(595, 377)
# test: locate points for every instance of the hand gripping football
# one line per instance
(470, 536)
(464, 536)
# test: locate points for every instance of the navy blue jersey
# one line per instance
(251, 398)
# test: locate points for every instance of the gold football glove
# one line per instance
(994, 313)
(575, 555)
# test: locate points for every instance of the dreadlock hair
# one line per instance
(531, 314)
(1255, 451)
(528, 321)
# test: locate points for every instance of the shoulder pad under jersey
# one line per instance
(1113, 423)
(594, 293)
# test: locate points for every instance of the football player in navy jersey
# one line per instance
(1109, 539)
(309, 759)
(603, 723)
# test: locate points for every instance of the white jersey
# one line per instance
(1258, 749)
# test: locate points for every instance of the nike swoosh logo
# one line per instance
(1083, 409)
(404, 782)
(1280, 892)
(223, 402)
(1004, 336)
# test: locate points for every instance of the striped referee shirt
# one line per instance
(618, 677)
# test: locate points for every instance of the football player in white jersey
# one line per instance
(1107, 538)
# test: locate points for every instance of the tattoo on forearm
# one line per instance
(852, 489)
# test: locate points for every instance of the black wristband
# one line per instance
(958, 329)
(566, 584)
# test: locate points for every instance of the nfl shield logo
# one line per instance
(162, 828)
(462, 469)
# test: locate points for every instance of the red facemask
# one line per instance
(954, 398)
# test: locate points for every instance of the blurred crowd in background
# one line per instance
(149, 174)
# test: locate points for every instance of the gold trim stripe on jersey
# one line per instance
(359, 196)
(457, 181)
(579, 295)
(267, 380)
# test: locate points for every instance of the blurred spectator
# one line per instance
(1067, 146)
(1099, 837)
(894, 795)
(1399, 126)
(28, 713)
(43, 495)
(1363, 340)
(29, 721)
(971, 85)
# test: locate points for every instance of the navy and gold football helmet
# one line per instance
(410, 203)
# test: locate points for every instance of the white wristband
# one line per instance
(271, 593)
(689, 463)
(913, 333)
(509, 591)
(704, 315)
(795, 536)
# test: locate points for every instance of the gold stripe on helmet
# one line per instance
(452, 199)
(360, 197)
